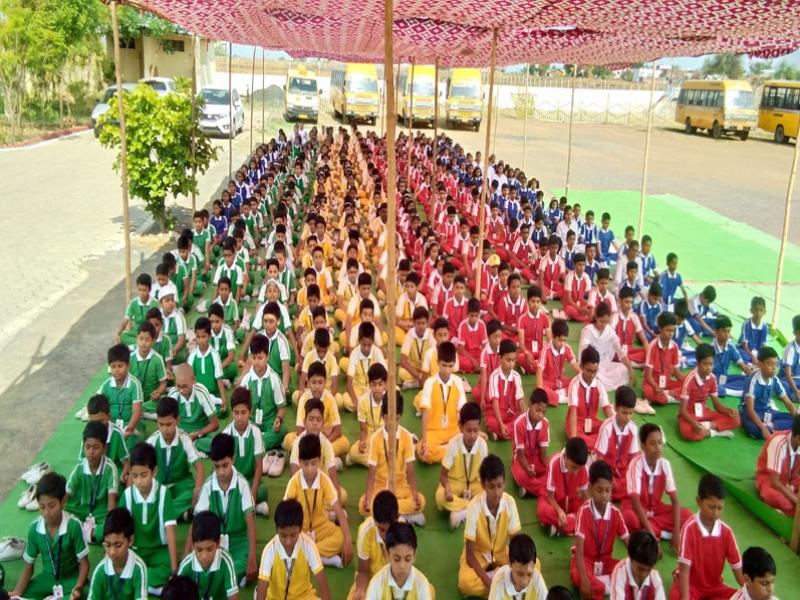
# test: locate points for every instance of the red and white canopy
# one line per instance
(458, 32)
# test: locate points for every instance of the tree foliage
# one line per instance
(727, 66)
(158, 134)
(786, 70)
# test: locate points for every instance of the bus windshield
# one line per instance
(739, 99)
(423, 88)
(466, 90)
(359, 83)
(302, 85)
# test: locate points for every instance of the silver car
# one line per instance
(215, 115)
(102, 106)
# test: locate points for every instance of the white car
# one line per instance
(215, 115)
(161, 85)
(102, 107)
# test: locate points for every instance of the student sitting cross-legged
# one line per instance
(400, 578)
(209, 565)
(520, 579)
(122, 574)
(371, 542)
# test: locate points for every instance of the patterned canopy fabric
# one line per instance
(459, 32)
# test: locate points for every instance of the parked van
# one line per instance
(301, 97)
(464, 98)
(354, 92)
(780, 109)
(726, 106)
(424, 77)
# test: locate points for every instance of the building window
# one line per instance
(128, 44)
(172, 45)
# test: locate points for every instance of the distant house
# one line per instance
(171, 56)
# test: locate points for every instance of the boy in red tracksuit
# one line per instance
(617, 441)
(523, 255)
(649, 477)
(585, 396)
(505, 394)
(533, 326)
(499, 289)
(552, 360)
(552, 270)
(531, 439)
(490, 360)
(455, 310)
(511, 308)
(471, 338)
(496, 230)
(600, 293)
(576, 290)
(567, 488)
(444, 291)
(449, 230)
(778, 470)
(470, 251)
(628, 327)
(662, 376)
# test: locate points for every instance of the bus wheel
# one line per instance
(780, 136)
(688, 127)
(743, 135)
(716, 130)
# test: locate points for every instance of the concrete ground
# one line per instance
(65, 296)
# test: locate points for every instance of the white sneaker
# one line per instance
(202, 307)
(35, 472)
(246, 318)
(722, 434)
(338, 463)
(32, 506)
(672, 399)
(348, 461)
(149, 416)
(333, 561)
(643, 407)
(27, 497)
(246, 298)
(417, 519)
(11, 548)
(262, 508)
(155, 591)
(457, 518)
(266, 462)
(553, 531)
(522, 492)
(82, 414)
(276, 468)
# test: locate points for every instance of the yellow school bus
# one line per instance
(717, 106)
(301, 97)
(464, 97)
(354, 92)
(780, 109)
(424, 77)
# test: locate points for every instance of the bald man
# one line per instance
(198, 415)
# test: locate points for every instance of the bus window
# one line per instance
(357, 83)
(739, 99)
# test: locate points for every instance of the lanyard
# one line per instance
(535, 331)
(467, 468)
(386, 451)
(618, 437)
(94, 491)
(651, 484)
(289, 563)
(207, 593)
(229, 501)
(146, 367)
(55, 564)
(371, 420)
(492, 538)
(115, 587)
(311, 509)
(601, 543)
(445, 397)
(119, 395)
(167, 461)
(505, 394)
(419, 346)
(664, 359)
(535, 440)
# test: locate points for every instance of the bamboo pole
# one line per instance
(263, 94)
(485, 185)
(410, 122)
(391, 225)
(642, 197)
(496, 119)
(230, 110)
(194, 116)
(123, 154)
(435, 108)
(383, 104)
(525, 121)
(252, 96)
(787, 211)
(571, 115)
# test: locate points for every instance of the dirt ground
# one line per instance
(45, 365)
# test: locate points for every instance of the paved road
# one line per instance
(63, 300)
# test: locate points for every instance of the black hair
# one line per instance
(625, 397)
(144, 455)
(259, 345)
(52, 485)
(507, 347)
(203, 324)
(600, 469)
(95, 430)
(119, 353)
(98, 404)
(538, 396)
(145, 280)
(643, 547)
(575, 449)
(534, 291)
(473, 305)
(710, 486)
(703, 351)
(401, 534)
(222, 446)
(180, 587)
(377, 372)
(317, 369)
(314, 404)
(366, 330)
(309, 446)
(492, 326)
(469, 412)
(722, 322)
(646, 430)
(709, 293)
(241, 397)
(559, 328)
(120, 521)
(322, 338)
(522, 549)
(288, 513)
(167, 407)
(398, 404)
(148, 328)
(447, 352)
(384, 507)
(666, 319)
(312, 291)
(766, 352)
(796, 426)
(589, 355)
(206, 527)
(757, 562)
(492, 467)
(559, 592)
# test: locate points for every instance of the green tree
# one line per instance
(540, 70)
(600, 72)
(786, 70)
(728, 66)
(757, 67)
(159, 130)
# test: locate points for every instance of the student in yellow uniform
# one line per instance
(400, 578)
(520, 579)
(317, 494)
(361, 359)
(347, 290)
(371, 544)
(322, 354)
(353, 317)
(291, 549)
(408, 302)
(430, 357)
(332, 427)
(492, 519)
(410, 501)
(369, 414)
(320, 321)
(459, 480)
(442, 397)
(417, 342)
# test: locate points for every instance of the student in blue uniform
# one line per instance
(791, 363)
(755, 332)
(760, 416)
(725, 354)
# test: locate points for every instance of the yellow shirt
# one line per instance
(464, 465)
(491, 534)
(305, 321)
(378, 450)
(359, 365)
(316, 499)
(305, 562)
(327, 452)
(405, 306)
(331, 416)
(443, 401)
(369, 413)
(415, 348)
(430, 361)
(370, 546)
(384, 587)
(331, 366)
(347, 290)
(354, 308)
(503, 587)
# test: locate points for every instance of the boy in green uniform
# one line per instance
(227, 494)
(124, 393)
(229, 306)
(136, 311)
(174, 323)
(116, 450)
(229, 268)
(266, 392)
(121, 575)
(222, 340)
(202, 241)
(148, 367)
(162, 344)
(187, 262)
(153, 514)
(58, 538)
(249, 446)
(207, 365)
(209, 565)
(175, 458)
(197, 411)
(92, 485)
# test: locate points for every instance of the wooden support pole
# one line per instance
(787, 212)
(485, 184)
(252, 96)
(194, 117)
(569, 143)
(496, 120)
(435, 108)
(525, 120)
(391, 227)
(263, 94)
(232, 126)
(643, 196)
(123, 154)
(410, 82)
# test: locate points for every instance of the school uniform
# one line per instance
(378, 458)
(317, 498)
(586, 399)
(384, 587)
(695, 391)
(761, 391)
(649, 312)
(136, 313)
(627, 328)
(756, 336)
(88, 492)
(576, 288)
(704, 552)
(266, 392)
(489, 360)
(550, 272)
(371, 547)
(566, 488)
(503, 587)
(443, 401)
(490, 535)
(507, 392)
(508, 313)
(232, 507)
(529, 438)
(60, 554)
(414, 348)
(533, 325)
(218, 582)
(671, 284)
(463, 468)
(611, 373)
(368, 413)
(358, 366)
(552, 363)
(791, 359)
(330, 419)
(405, 310)
(778, 457)
(471, 339)
(329, 362)
(625, 587)
(207, 367)
(289, 575)
(150, 371)
(151, 517)
(650, 485)
(598, 532)
(116, 449)
(455, 311)
(249, 449)
(195, 413)
(617, 446)
(728, 384)
(661, 361)
(174, 462)
(688, 357)
(130, 584)
(698, 313)
(121, 399)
